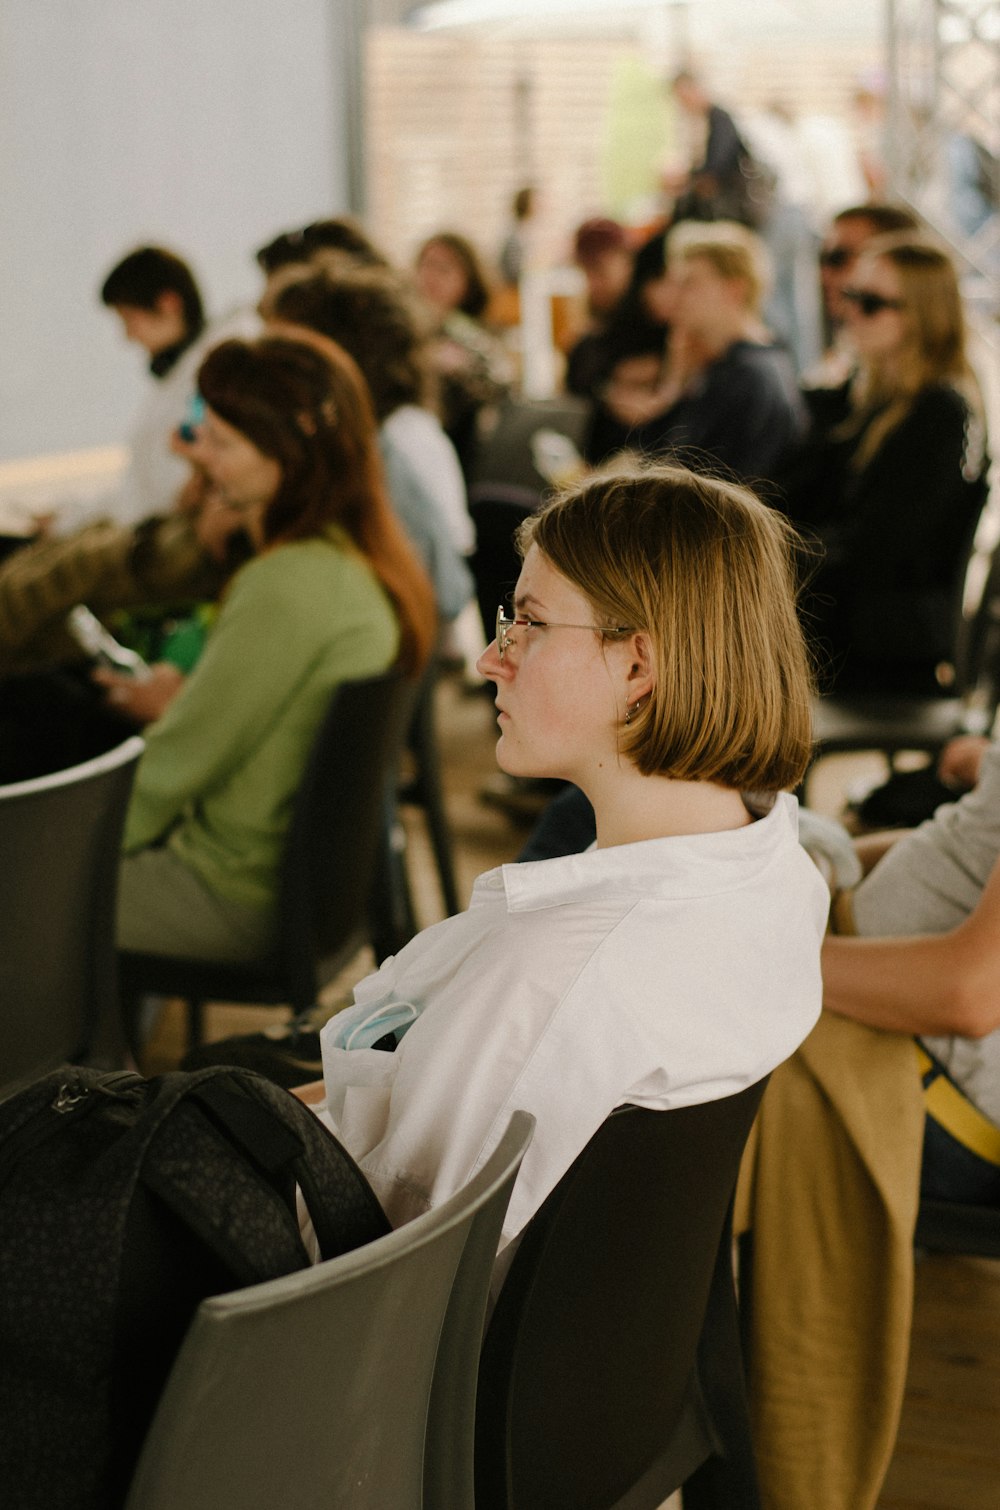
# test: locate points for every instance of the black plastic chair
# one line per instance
(496, 511)
(333, 894)
(425, 788)
(611, 1372)
(311, 1392)
(891, 724)
(60, 838)
(504, 455)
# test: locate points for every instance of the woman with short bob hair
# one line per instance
(710, 578)
(652, 634)
(731, 250)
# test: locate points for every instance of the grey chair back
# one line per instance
(60, 841)
(311, 1392)
(611, 1372)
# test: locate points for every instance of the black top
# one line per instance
(741, 415)
(894, 536)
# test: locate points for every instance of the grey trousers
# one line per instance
(165, 908)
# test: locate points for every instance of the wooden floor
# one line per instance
(948, 1454)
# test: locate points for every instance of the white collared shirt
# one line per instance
(664, 973)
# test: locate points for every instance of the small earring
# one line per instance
(631, 708)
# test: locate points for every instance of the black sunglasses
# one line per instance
(870, 303)
(836, 256)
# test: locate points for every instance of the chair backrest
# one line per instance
(505, 455)
(60, 841)
(313, 1390)
(496, 513)
(338, 832)
(611, 1369)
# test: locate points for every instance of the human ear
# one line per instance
(640, 666)
(169, 302)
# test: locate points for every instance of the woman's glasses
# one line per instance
(506, 625)
(869, 303)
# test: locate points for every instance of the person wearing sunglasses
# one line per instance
(892, 478)
(849, 232)
(651, 656)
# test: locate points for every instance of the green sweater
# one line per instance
(222, 766)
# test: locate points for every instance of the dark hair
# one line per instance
(372, 315)
(477, 288)
(141, 277)
(596, 237)
(523, 203)
(341, 234)
(885, 219)
(304, 404)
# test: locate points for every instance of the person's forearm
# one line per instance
(941, 984)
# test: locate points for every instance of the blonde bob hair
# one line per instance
(705, 570)
(731, 251)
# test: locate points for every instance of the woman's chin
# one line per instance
(507, 759)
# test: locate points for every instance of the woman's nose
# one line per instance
(489, 663)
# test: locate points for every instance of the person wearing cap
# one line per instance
(602, 253)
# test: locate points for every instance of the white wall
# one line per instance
(207, 127)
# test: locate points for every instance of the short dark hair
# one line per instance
(342, 233)
(140, 278)
(886, 219)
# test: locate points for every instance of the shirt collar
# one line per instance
(682, 866)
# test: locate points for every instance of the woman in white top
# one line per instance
(653, 658)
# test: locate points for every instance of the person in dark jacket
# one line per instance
(726, 399)
(892, 477)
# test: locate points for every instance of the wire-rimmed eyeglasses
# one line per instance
(505, 625)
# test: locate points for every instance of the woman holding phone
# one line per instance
(332, 593)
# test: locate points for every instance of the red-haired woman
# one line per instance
(332, 593)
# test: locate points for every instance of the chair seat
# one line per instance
(874, 722)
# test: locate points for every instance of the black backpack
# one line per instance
(123, 1203)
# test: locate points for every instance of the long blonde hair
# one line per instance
(934, 350)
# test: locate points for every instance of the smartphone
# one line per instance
(102, 647)
(187, 430)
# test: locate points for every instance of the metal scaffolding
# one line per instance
(943, 139)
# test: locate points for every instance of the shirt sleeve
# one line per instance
(263, 643)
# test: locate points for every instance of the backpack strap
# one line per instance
(241, 1209)
(267, 1141)
(344, 1209)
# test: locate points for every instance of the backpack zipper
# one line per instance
(71, 1093)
